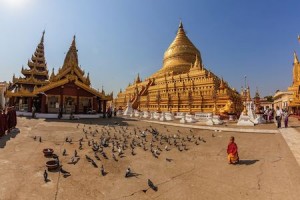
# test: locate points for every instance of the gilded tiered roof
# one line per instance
(36, 74)
(180, 54)
(71, 66)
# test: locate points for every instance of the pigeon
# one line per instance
(88, 158)
(128, 172)
(64, 152)
(34, 137)
(102, 171)
(166, 148)
(65, 173)
(114, 157)
(45, 176)
(151, 185)
(94, 163)
(41, 139)
(97, 157)
(120, 151)
(133, 153)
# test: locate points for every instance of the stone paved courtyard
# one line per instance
(268, 169)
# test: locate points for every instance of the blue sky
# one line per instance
(117, 39)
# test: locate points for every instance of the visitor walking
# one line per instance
(285, 118)
(278, 116)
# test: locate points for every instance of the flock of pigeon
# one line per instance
(114, 142)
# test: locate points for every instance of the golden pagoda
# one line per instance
(294, 88)
(183, 84)
(68, 91)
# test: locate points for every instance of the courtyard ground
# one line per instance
(268, 169)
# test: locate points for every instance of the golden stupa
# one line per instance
(181, 85)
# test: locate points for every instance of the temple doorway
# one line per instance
(69, 105)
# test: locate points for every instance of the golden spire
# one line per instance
(42, 39)
(296, 61)
(180, 54)
(71, 59)
(248, 93)
(180, 24)
(88, 82)
(52, 75)
(222, 84)
(138, 80)
(74, 42)
(257, 93)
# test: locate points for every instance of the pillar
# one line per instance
(61, 97)
(99, 105)
(77, 102)
(104, 109)
(29, 104)
(94, 103)
(43, 104)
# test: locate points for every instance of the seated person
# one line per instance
(232, 151)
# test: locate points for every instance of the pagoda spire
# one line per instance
(138, 79)
(71, 59)
(52, 75)
(74, 42)
(180, 24)
(296, 61)
(42, 39)
(222, 84)
(88, 81)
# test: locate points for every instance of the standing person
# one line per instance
(278, 116)
(270, 113)
(286, 118)
(115, 112)
(33, 111)
(232, 152)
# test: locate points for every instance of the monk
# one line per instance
(232, 151)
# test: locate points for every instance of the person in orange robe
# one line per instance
(232, 151)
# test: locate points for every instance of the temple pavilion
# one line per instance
(183, 84)
(68, 90)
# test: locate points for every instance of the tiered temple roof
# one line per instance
(36, 75)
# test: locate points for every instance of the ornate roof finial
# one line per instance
(222, 84)
(257, 93)
(120, 90)
(296, 61)
(42, 39)
(138, 80)
(102, 91)
(74, 41)
(180, 24)
(52, 75)
(88, 81)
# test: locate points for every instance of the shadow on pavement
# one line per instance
(247, 162)
(5, 138)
